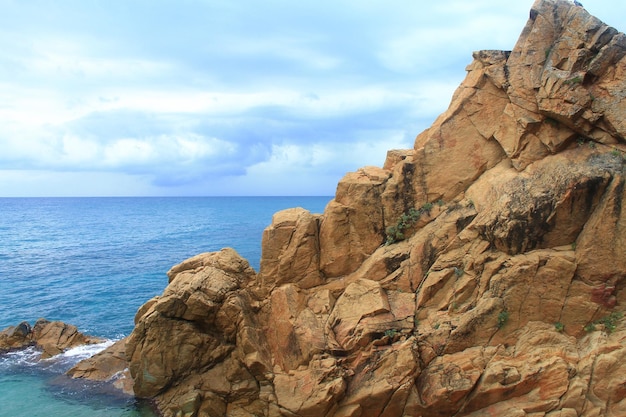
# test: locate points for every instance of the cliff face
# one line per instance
(480, 273)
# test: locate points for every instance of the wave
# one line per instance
(29, 359)
(81, 352)
(26, 357)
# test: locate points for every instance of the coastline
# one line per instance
(25, 362)
(93, 262)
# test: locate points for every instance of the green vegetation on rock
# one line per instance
(406, 221)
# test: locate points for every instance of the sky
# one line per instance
(223, 97)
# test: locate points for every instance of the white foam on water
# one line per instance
(81, 352)
(28, 356)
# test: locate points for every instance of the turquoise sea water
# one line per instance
(92, 262)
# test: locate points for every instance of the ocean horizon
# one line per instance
(92, 262)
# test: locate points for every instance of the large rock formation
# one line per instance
(480, 273)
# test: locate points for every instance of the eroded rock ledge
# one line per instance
(499, 290)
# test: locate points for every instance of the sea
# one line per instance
(92, 262)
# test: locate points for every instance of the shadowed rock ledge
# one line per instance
(480, 273)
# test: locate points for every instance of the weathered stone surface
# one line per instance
(352, 226)
(108, 365)
(291, 250)
(502, 294)
(313, 391)
(183, 330)
(15, 337)
(287, 304)
(547, 205)
(381, 383)
(52, 337)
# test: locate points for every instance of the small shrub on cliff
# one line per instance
(393, 235)
(559, 326)
(406, 221)
(391, 334)
(609, 322)
(503, 317)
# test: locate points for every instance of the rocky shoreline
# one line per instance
(52, 337)
(480, 273)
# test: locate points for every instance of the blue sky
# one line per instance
(223, 97)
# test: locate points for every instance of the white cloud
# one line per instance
(76, 151)
(27, 183)
(323, 158)
(298, 49)
(434, 46)
(71, 57)
(229, 97)
(129, 151)
(164, 153)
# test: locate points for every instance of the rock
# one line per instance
(110, 364)
(16, 337)
(352, 226)
(55, 337)
(479, 273)
(313, 391)
(360, 313)
(547, 205)
(197, 324)
(291, 250)
(382, 382)
(52, 337)
(602, 241)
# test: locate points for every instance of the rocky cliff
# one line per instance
(480, 273)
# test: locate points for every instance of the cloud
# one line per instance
(214, 97)
(177, 133)
(325, 158)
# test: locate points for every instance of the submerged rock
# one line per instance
(480, 273)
